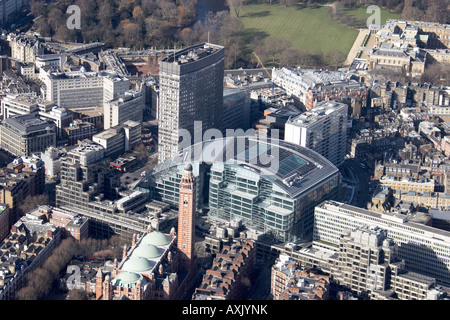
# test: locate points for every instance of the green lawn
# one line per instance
(361, 13)
(307, 28)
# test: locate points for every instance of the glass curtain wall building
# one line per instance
(270, 185)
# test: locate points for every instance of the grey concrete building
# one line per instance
(24, 135)
(322, 129)
(190, 89)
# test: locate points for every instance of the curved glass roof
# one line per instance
(290, 166)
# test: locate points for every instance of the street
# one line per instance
(353, 172)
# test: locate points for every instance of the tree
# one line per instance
(26, 293)
(77, 294)
(235, 5)
(32, 202)
(37, 8)
(232, 52)
(436, 12)
(275, 46)
(167, 9)
(410, 12)
(141, 152)
(105, 14)
(336, 58)
(290, 57)
(186, 36)
(55, 19)
(137, 13)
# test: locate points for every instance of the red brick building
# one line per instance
(157, 266)
(186, 220)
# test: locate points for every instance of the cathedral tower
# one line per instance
(186, 220)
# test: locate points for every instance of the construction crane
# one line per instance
(265, 69)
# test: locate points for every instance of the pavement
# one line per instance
(356, 46)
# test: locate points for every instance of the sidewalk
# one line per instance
(356, 46)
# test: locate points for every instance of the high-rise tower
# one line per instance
(186, 220)
(190, 89)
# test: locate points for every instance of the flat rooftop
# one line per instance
(318, 113)
(193, 53)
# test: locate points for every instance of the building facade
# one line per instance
(119, 139)
(186, 218)
(225, 279)
(127, 107)
(275, 198)
(424, 249)
(190, 90)
(81, 89)
(24, 48)
(291, 281)
(322, 129)
(24, 135)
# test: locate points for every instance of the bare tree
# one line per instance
(275, 46)
(32, 202)
(336, 58)
(78, 294)
(26, 293)
(436, 12)
(37, 8)
(235, 5)
(167, 9)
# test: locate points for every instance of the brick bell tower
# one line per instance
(186, 221)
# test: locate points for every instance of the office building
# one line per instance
(236, 109)
(190, 89)
(322, 129)
(89, 190)
(424, 249)
(8, 10)
(24, 177)
(157, 266)
(81, 89)
(79, 130)
(21, 104)
(83, 171)
(73, 225)
(129, 106)
(54, 61)
(4, 221)
(119, 139)
(52, 160)
(275, 198)
(27, 134)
